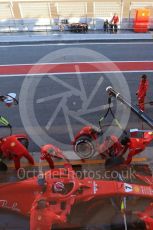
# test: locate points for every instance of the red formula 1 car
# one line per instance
(12, 147)
(90, 140)
(49, 199)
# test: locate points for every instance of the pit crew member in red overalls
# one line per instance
(12, 149)
(142, 91)
(135, 145)
(49, 151)
(114, 22)
(111, 147)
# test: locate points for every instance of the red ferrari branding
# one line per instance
(13, 206)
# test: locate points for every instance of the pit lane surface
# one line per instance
(15, 61)
(15, 55)
(124, 51)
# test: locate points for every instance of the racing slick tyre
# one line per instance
(3, 166)
(143, 169)
(84, 147)
(114, 161)
(24, 142)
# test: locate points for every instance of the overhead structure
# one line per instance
(107, 9)
(6, 11)
(35, 9)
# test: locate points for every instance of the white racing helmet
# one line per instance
(58, 187)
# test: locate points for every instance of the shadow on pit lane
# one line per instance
(134, 226)
(9, 221)
(15, 222)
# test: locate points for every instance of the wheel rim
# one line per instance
(84, 150)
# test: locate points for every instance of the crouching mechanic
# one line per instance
(111, 147)
(111, 150)
(116, 152)
(49, 151)
(134, 145)
(12, 149)
(121, 152)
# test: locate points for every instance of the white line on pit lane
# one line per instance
(72, 73)
(76, 62)
(78, 44)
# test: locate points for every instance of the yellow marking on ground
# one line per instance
(75, 162)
